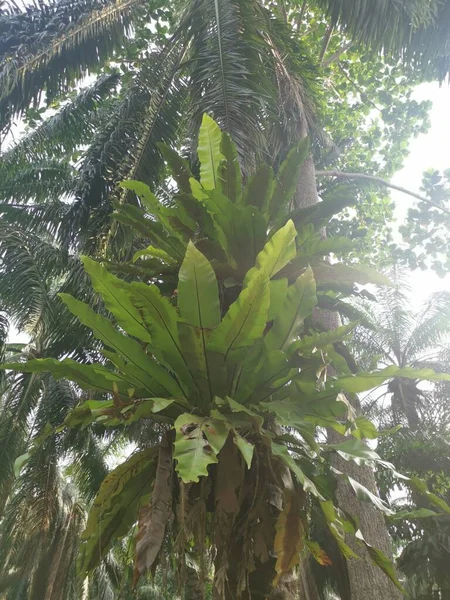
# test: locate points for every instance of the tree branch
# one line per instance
(326, 41)
(383, 182)
(301, 15)
(337, 55)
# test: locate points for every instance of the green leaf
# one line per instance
(230, 178)
(281, 452)
(420, 513)
(278, 291)
(355, 450)
(134, 217)
(300, 301)
(151, 204)
(259, 189)
(124, 491)
(145, 372)
(421, 487)
(236, 407)
(192, 450)
(152, 252)
(278, 251)
(178, 166)
(381, 560)
(364, 429)
(116, 296)
(198, 292)
(309, 343)
(216, 432)
(20, 462)
(88, 377)
(299, 411)
(245, 320)
(327, 272)
(362, 381)
(209, 152)
(365, 495)
(287, 178)
(245, 448)
(160, 318)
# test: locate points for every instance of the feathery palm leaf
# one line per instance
(48, 47)
(415, 31)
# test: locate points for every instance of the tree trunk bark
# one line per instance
(367, 581)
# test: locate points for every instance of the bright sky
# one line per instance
(428, 150)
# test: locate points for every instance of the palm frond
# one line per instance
(412, 30)
(433, 327)
(51, 46)
(40, 181)
(63, 131)
(228, 77)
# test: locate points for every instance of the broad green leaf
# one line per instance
(146, 373)
(209, 152)
(381, 560)
(116, 506)
(278, 290)
(245, 448)
(362, 381)
(116, 296)
(272, 371)
(134, 217)
(230, 179)
(143, 191)
(319, 214)
(421, 487)
(152, 252)
(316, 245)
(89, 411)
(325, 272)
(178, 166)
(88, 377)
(152, 205)
(287, 178)
(278, 251)
(110, 414)
(244, 228)
(300, 301)
(236, 407)
(364, 429)
(193, 342)
(216, 432)
(299, 411)
(198, 292)
(281, 452)
(362, 493)
(259, 189)
(309, 343)
(192, 450)
(420, 513)
(355, 450)
(343, 547)
(245, 320)
(160, 318)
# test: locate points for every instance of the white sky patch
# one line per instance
(430, 150)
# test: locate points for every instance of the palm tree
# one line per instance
(174, 84)
(404, 338)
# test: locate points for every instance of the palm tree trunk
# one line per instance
(367, 581)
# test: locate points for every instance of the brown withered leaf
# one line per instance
(153, 518)
(319, 554)
(289, 531)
